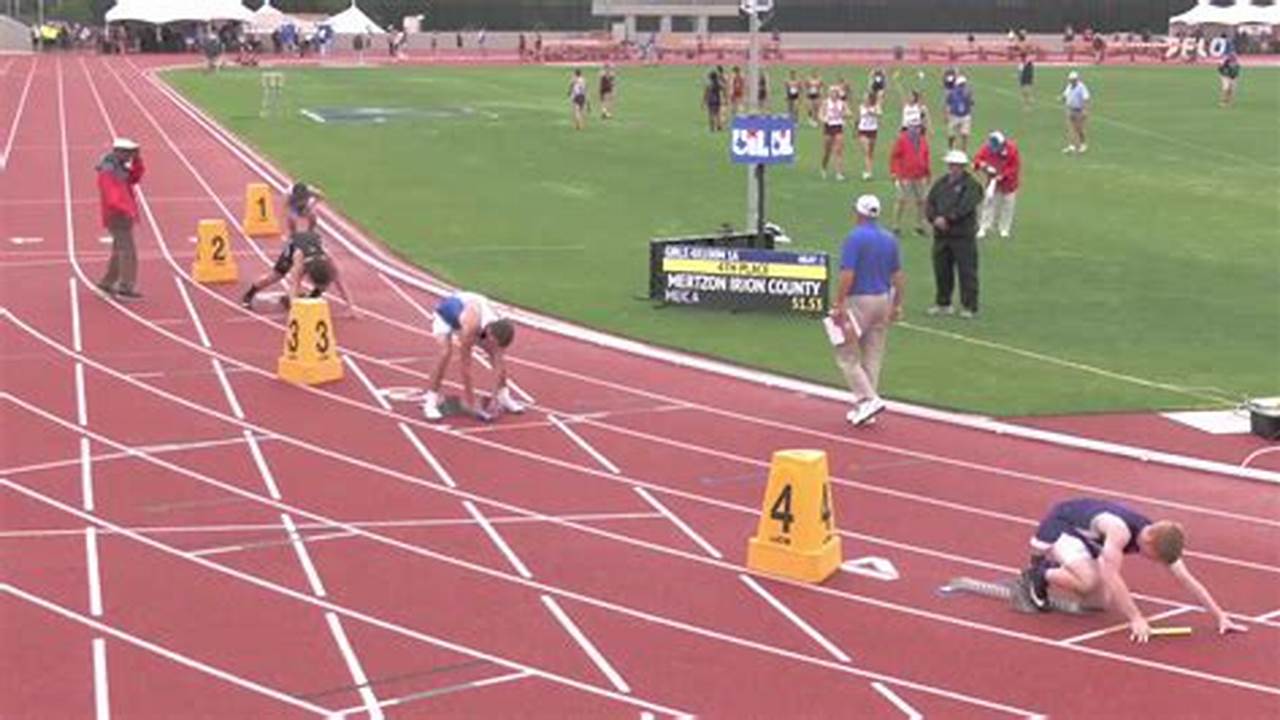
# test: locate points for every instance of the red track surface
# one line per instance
(156, 480)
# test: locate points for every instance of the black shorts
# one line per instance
(284, 263)
(833, 130)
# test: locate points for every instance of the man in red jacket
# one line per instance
(999, 166)
(909, 165)
(118, 171)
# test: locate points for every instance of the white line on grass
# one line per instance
(891, 696)
(587, 646)
(586, 446)
(675, 520)
(799, 622)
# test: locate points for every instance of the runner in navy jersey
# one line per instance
(1079, 549)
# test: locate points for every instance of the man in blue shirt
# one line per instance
(869, 299)
(959, 114)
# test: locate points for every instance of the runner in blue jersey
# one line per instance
(472, 320)
(1079, 549)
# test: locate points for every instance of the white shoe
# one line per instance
(982, 232)
(508, 403)
(840, 177)
(940, 310)
(1004, 233)
(1069, 149)
(431, 406)
(968, 314)
(866, 176)
(866, 411)
(1083, 148)
(823, 173)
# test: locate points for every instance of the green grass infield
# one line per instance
(1143, 274)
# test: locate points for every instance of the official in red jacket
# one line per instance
(999, 166)
(118, 171)
(909, 165)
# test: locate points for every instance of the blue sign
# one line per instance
(762, 140)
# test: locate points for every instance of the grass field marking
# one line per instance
(17, 115)
(313, 116)
(1197, 393)
(380, 259)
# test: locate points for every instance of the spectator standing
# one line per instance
(909, 165)
(1076, 99)
(952, 208)
(118, 171)
(869, 299)
(1000, 165)
(1228, 73)
(959, 114)
(1026, 77)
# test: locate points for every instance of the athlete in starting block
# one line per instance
(1079, 549)
(472, 320)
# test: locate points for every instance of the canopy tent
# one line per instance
(268, 19)
(159, 12)
(352, 21)
(1242, 12)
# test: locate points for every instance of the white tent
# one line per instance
(1202, 14)
(352, 21)
(158, 12)
(268, 19)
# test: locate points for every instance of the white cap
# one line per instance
(124, 143)
(996, 137)
(956, 157)
(961, 80)
(1073, 75)
(867, 205)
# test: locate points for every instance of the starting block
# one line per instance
(310, 354)
(260, 211)
(796, 536)
(214, 262)
(1004, 590)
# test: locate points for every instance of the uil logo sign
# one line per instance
(762, 139)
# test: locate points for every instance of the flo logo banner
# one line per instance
(762, 139)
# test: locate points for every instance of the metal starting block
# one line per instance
(1004, 590)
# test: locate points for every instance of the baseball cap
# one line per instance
(867, 205)
(123, 143)
(962, 80)
(956, 157)
(1073, 75)
(996, 138)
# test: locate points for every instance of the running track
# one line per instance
(183, 535)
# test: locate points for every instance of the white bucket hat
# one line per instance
(124, 143)
(956, 157)
(867, 205)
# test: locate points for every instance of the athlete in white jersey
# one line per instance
(472, 320)
(868, 128)
(834, 111)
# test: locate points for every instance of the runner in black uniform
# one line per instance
(608, 81)
(1079, 549)
(879, 83)
(1026, 77)
(949, 77)
(793, 96)
(301, 205)
(712, 93)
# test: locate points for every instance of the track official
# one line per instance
(872, 287)
(118, 171)
(952, 207)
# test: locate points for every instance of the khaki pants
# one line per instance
(860, 359)
(997, 210)
(122, 271)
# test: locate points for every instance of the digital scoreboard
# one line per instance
(740, 278)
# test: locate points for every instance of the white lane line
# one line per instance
(101, 691)
(260, 460)
(304, 557)
(17, 117)
(585, 643)
(364, 380)
(891, 696)
(1125, 626)
(371, 704)
(586, 446)
(798, 621)
(1266, 617)
(1257, 454)
(408, 523)
(497, 539)
(225, 382)
(392, 702)
(418, 445)
(105, 457)
(160, 650)
(191, 310)
(77, 340)
(700, 541)
(86, 475)
(372, 620)
(95, 577)
(82, 404)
